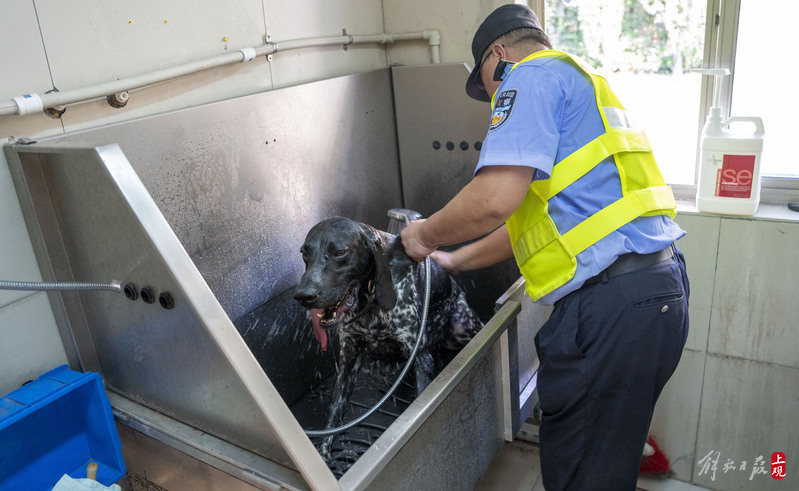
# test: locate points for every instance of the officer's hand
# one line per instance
(412, 241)
(446, 260)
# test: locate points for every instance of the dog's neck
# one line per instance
(368, 292)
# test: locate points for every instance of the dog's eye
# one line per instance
(340, 253)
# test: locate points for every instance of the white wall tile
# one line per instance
(301, 19)
(748, 410)
(214, 85)
(699, 247)
(674, 423)
(755, 292)
(22, 54)
(455, 21)
(287, 21)
(91, 41)
(308, 65)
(29, 341)
(17, 260)
(18, 29)
(36, 345)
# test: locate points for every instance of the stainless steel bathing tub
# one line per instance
(208, 207)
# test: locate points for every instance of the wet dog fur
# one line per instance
(359, 281)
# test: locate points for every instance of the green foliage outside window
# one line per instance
(641, 36)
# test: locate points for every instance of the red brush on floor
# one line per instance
(653, 461)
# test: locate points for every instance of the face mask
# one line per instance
(503, 67)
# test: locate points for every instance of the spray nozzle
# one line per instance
(399, 218)
(718, 73)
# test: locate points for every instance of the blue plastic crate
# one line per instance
(57, 425)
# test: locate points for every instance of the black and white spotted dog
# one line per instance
(360, 281)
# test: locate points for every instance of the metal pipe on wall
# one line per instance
(31, 103)
(32, 286)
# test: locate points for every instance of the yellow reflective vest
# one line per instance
(546, 258)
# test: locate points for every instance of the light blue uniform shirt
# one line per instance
(552, 113)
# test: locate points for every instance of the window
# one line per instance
(763, 80)
(646, 48)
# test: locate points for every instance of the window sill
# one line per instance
(764, 212)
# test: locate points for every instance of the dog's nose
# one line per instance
(305, 296)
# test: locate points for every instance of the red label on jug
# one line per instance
(734, 179)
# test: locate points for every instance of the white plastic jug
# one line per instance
(729, 174)
(729, 170)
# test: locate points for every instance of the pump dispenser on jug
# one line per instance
(729, 169)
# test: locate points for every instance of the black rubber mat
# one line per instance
(374, 380)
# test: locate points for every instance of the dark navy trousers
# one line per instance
(605, 354)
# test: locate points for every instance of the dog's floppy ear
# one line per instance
(385, 293)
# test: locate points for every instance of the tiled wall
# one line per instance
(735, 395)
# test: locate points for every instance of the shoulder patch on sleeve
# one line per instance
(502, 108)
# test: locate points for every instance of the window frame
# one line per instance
(721, 37)
(721, 40)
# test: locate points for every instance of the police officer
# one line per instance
(567, 185)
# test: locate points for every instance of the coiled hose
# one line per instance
(422, 324)
(49, 287)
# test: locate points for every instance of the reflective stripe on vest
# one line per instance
(546, 258)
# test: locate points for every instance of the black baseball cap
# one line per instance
(500, 22)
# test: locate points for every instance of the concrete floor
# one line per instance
(517, 467)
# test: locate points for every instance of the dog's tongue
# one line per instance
(318, 331)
